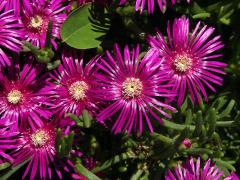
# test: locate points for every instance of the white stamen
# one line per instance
(78, 90)
(132, 87)
(14, 96)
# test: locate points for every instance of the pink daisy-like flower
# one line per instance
(73, 85)
(24, 95)
(38, 145)
(8, 139)
(134, 89)
(187, 57)
(36, 18)
(10, 33)
(193, 171)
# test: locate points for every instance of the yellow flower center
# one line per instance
(78, 90)
(132, 87)
(39, 138)
(36, 21)
(182, 63)
(14, 96)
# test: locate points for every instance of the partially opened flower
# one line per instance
(10, 33)
(188, 58)
(140, 5)
(73, 85)
(195, 170)
(38, 146)
(135, 90)
(8, 139)
(36, 18)
(24, 96)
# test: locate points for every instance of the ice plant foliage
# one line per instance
(135, 89)
(193, 171)
(36, 18)
(188, 58)
(38, 145)
(8, 139)
(10, 33)
(24, 96)
(73, 85)
(43, 80)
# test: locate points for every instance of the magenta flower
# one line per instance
(36, 18)
(73, 85)
(38, 145)
(24, 95)
(134, 90)
(10, 33)
(13, 5)
(187, 58)
(192, 171)
(8, 139)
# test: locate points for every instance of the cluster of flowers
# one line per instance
(35, 104)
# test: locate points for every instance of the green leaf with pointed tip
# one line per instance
(58, 140)
(84, 171)
(211, 119)
(13, 170)
(4, 165)
(225, 164)
(201, 16)
(86, 119)
(228, 109)
(77, 120)
(137, 175)
(219, 102)
(53, 65)
(79, 30)
(199, 124)
(189, 117)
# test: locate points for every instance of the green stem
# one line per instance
(199, 151)
(224, 123)
(176, 126)
(180, 127)
(163, 138)
(34, 49)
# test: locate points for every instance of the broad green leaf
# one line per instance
(81, 31)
